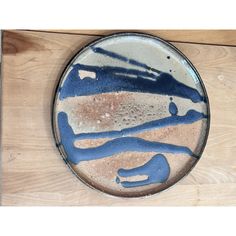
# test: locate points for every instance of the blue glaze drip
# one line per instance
(117, 180)
(124, 59)
(173, 109)
(115, 79)
(115, 146)
(190, 117)
(157, 170)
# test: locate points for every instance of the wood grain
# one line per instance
(33, 171)
(220, 37)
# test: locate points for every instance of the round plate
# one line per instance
(130, 115)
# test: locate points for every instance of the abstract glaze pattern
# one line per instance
(144, 79)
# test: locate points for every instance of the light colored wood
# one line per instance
(33, 171)
(222, 37)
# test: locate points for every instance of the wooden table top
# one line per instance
(33, 173)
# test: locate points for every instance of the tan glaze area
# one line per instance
(89, 143)
(102, 173)
(84, 74)
(173, 134)
(116, 111)
(189, 135)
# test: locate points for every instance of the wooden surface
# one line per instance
(218, 37)
(33, 172)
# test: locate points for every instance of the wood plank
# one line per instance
(220, 37)
(33, 171)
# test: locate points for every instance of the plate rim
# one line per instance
(55, 97)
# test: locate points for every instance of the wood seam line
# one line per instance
(102, 35)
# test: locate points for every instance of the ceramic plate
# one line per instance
(130, 115)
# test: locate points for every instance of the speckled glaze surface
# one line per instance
(130, 115)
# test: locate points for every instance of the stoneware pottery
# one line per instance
(130, 115)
